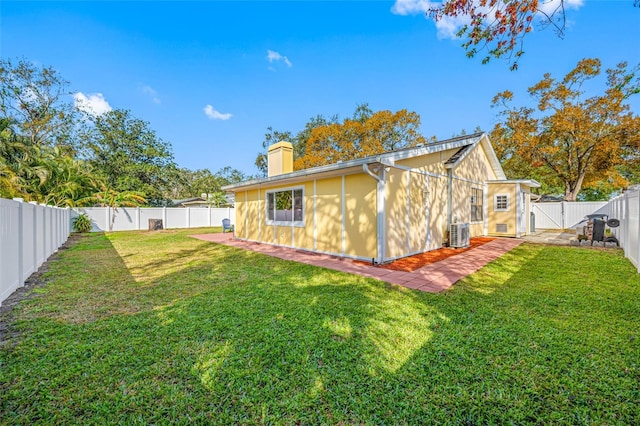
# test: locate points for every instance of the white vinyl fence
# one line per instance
(137, 218)
(626, 208)
(563, 215)
(29, 234)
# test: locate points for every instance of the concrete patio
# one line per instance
(432, 278)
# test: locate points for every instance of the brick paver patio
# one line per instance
(432, 278)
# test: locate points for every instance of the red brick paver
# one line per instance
(432, 278)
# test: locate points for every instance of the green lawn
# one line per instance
(138, 328)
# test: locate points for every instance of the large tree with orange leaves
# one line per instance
(366, 133)
(571, 139)
(498, 27)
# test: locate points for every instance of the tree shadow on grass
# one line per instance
(239, 337)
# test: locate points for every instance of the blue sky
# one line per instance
(211, 76)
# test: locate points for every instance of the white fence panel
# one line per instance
(177, 218)
(225, 213)
(626, 208)
(29, 252)
(124, 218)
(633, 231)
(562, 215)
(198, 217)
(29, 234)
(548, 215)
(127, 219)
(150, 213)
(9, 242)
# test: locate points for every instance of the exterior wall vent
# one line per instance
(502, 228)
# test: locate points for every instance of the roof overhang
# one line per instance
(355, 166)
(528, 182)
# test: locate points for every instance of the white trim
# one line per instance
(408, 211)
(476, 187)
(485, 208)
(286, 223)
(495, 203)
(315, 220)
(381, 223)
(246, 213)
(259, 216)
(344, 241)
(427, 206)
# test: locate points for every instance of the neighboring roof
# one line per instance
(355, 166)
(188, 200)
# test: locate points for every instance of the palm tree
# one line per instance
(107, 197)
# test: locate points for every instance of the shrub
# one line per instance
(82, 223)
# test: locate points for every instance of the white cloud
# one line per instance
(550, 6)
(273, 56)
(448, 26)
(150, 91)
(94, 104)
(215, 115)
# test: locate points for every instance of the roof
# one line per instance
(188, 200)
(355, 166)
(529, 182)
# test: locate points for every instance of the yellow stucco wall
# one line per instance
(240, 207)
(502, 217)
(396, 213)
(360, 216)
(252, 209)
(420, 235)
(329, 215)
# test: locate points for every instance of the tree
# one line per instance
(108, 197)
(299, 141)
(572, 141)
(34, 99)
(366, 133)
(128, 156)
(499, 26)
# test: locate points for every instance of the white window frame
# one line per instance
(297, 223)
(471, 198)
(495, 203)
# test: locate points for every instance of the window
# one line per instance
(501, 202)
(285, 207)
(476, 204)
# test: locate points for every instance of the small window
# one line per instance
(501, 202)
(476, 204)
(285, 207)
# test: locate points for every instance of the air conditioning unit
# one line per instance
(459, 235)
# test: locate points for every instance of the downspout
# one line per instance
(381, 210)
(449, 198)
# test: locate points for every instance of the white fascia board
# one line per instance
(532, 183)
(493, 158)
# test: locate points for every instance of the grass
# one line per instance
(138, 328)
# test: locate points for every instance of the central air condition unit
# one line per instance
(459, 235)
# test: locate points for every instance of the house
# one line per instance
(387, 206)
(191, 202)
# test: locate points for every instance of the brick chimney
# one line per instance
(280, 159)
